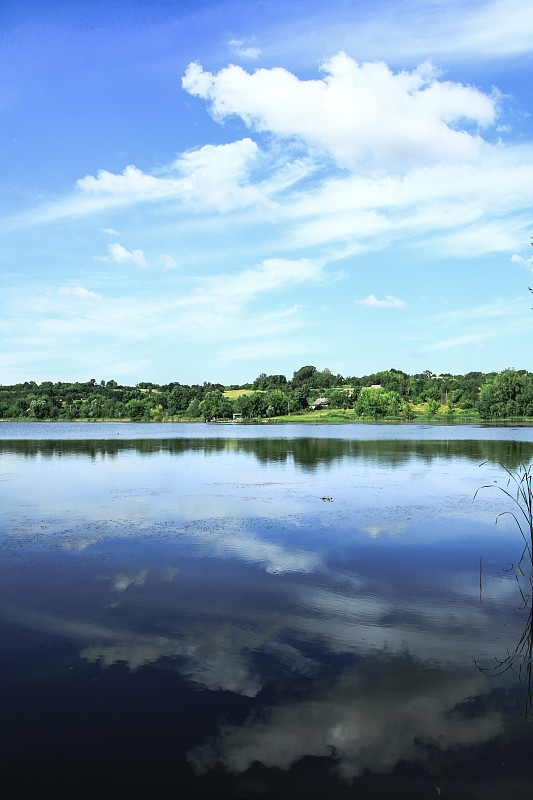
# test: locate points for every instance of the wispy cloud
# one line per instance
(222, 308)
(389, 302)
(246, 49)
(78, 292)
(481, 324)
(168, 261)
(485, 311)
(456, 30)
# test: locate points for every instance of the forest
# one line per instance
(382, 395)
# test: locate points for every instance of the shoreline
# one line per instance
(510, 421)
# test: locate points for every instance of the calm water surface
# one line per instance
(183, 613)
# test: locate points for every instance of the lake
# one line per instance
(263, 611)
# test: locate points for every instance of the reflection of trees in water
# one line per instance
(308, 452)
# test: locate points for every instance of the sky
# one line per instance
(205, 191)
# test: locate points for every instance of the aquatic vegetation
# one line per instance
(519, 489)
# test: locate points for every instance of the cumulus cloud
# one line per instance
(119, 254)
(389, 302)
(359, 114)
(345, 719)
(213, 175)
(132, 182)
(435, 179)
(210, 669)
(218, 175)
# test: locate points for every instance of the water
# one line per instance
(181, 611)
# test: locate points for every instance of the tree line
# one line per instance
(391, 393)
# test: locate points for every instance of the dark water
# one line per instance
(182, 613)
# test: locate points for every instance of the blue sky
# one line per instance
(208, 190)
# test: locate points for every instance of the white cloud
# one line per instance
(272, 348)
(224, 671)
(132, 182)
(208, 660)
(123, 581)
(79, 292)
(486, 311)
(110, 231)
(221, 308)
(373, 302)
(482, 323)
(168, 261)
(288, 174)
(245, 50)
(345, 719)
(500, 27)
(272, 557)
(455, 30)
(218, 175)
(119, 254)
(469, 209)
(215, 176)
(464, 208)
(525, 262)
(271, 274)
(360, 114)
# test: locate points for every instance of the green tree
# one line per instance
(303, 376)
(508, 394)
(258, 404)
(394, 403)
(136, 409)
(39, 408)
(432, 407)
(215, 406)
(299, 399)
(277, 401)
(372, 403)
(242, 405)
(265, 382)
(408, 411)
(193, 409)
(339, 399)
